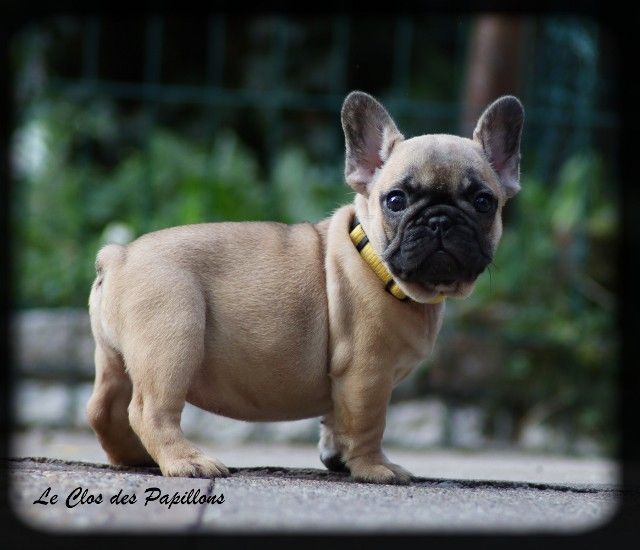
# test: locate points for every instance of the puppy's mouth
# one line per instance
(440, 273)
(446, 287)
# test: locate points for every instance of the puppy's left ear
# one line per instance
(498, 131)
(370, 134)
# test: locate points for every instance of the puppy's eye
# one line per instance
(483, 203)
(396, 200)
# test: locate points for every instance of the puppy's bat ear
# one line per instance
(498, 132)
(370, 135)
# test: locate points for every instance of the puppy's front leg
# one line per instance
(330, 452)
(360, 397)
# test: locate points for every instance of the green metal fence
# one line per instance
(562, 90)
(213, 94)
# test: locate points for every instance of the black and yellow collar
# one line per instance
(363, 246)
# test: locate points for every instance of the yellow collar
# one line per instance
(363, 246)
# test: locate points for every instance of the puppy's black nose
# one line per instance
(439, 223)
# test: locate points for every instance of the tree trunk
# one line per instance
(494, 65)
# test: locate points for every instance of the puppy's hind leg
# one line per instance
(162, 358)
(107, 411)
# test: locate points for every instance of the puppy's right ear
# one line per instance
(370, 135)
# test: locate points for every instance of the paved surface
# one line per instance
(293, 499)
(453, 491)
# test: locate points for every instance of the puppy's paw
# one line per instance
(194, 466)
(371, 472)
(333, 460)
(403, 475)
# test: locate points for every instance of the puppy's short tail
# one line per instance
(109, 255)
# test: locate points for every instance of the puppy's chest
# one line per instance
(408, 361)
(414, 347)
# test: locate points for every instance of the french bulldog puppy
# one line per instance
(265, 321)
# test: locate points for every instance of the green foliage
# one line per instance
(304, 192)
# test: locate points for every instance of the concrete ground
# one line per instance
(283, 488)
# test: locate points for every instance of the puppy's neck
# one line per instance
(363, 246)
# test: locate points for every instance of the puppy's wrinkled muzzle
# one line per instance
(438, 248)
